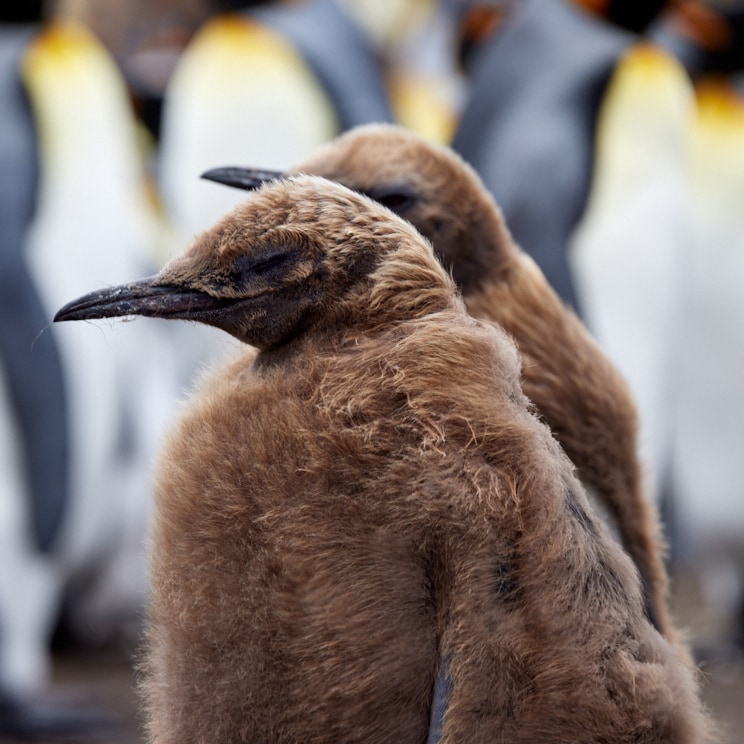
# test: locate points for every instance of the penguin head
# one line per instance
(428, 185)
(301, 255)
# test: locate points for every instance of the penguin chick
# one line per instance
(571, 382)
(368, 496)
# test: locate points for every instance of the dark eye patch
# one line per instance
(396, 201)
(273, 262)
(398, 198)
(246, 268)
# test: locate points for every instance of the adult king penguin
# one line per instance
(579, 129)
(70, 107)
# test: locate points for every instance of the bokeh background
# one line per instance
(611, 133)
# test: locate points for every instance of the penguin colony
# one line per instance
(573, 385)
(369, 495)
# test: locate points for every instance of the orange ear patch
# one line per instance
(701, 24)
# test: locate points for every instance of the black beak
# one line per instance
(242, 178)
(146, 298)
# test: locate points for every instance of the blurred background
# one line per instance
(611, 133)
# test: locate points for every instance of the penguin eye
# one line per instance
(268, 264)
(246, 268)
(398, 199)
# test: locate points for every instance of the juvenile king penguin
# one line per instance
(370, 495)
(576, 389)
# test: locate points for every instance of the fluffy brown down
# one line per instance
(575, 388)
(370, 494)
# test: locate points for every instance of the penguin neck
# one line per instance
(489, 258)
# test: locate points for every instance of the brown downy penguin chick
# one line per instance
(572, 383)
(368, 496)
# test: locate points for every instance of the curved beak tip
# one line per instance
(61, 315)
(111, 302)
(83, 308)
(247, 179)
(144, 298)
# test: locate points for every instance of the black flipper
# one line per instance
(29, 357)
